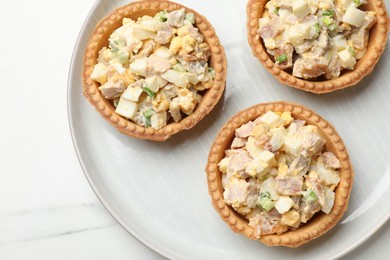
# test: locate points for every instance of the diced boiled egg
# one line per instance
(127, 108)
(139, 66)
(283, 204)
(347, 60)
(141, 33)
(354, 16)
(118, 67)
(267, 157)
(132, 94)
(291, 218)
(223, 164)
(271, 119)
(257, 168)
(178, 78)
(155, 83)
(252, 148)
(158, 120)
(301, 8)
(293, 146)
(99, 73)
(269, 185)
(339, 42)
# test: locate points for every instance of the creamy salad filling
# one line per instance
(277, 174)
(155, 69)
(316, 38)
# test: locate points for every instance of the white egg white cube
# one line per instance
(127, 108)
(132, 94)
(99, 73)
(339, 42)
(292, 146)
(178, 78)
(346, 59)
(223, 164)
(118, 67)
(267, 157)
(155, 83)
(301, 8)
(283, 204)
(271, 119)
(354, 16)
(158, 120)
(257, 168)
(139, 66)
(141, 33)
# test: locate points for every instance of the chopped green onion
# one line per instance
(148, 113)
(116, 101)
(115, 45)
(351, 51)
(162, 16)
(148, 121)
(281, 58)
(276, 11)
(265, 201)
(179, 67)
(329, 23)
(310, 196)
(212, 72)
(317, 27)
(357, 2)
(189, 19)
(149, 92)
(329, 13)
(265, 194)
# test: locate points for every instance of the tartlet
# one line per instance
(364, 66)
(99, 39)
(317, 225)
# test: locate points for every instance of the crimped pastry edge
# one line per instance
(99, 39)
(321, 222)
(364, 66)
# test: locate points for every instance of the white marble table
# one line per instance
(47, 209)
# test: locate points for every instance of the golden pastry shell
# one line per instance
(321, 222)
(99, 39)
(364, 66)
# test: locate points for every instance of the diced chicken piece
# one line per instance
(313, 181)
(310, 68)
(236, 192)
(170, 91)
(312, 144)
(330, 160)
(194, 32)
(269, 28)
(146, 49)
(196, 67)
(277, 138)
(176, 18)
(157, 65)
(299, 166)
(307, 210)
(289, 186)
(269, 185)
(238, 163)
(224, 181)
(113, 88)
(327, 175)
(264, 226)
(334, 68)
(303, 47)
(253, 194)
(283, 55)
(164, 35)
(245, 130)
(174, 109)
(238, 142)
(323, 40)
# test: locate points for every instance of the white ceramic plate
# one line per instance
(158, 191)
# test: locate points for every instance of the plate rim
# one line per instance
(96, 190)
